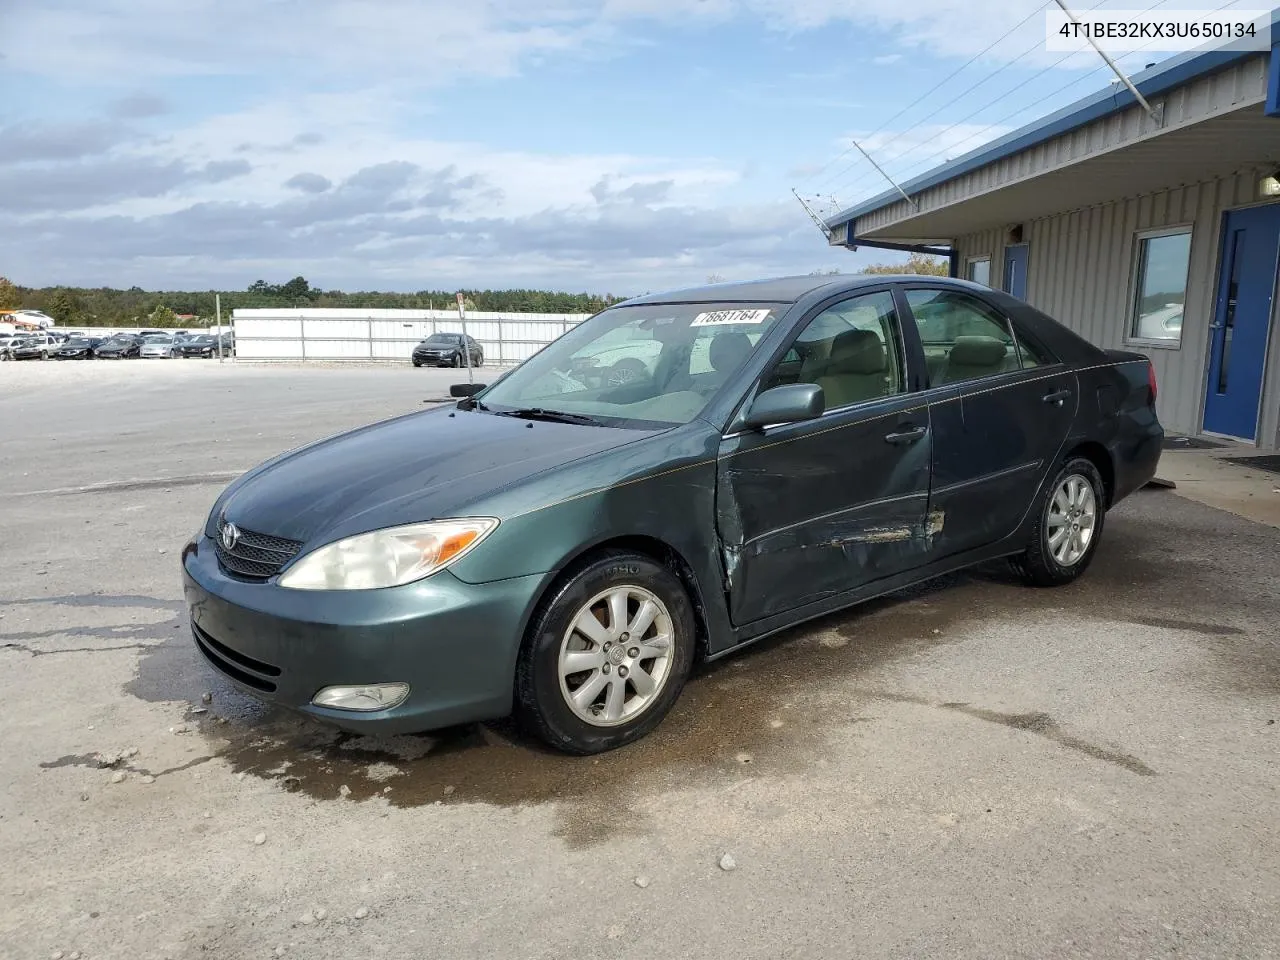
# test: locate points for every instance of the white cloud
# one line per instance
(316, 173)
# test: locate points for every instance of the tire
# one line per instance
(543, 695)
(1049, 564)
(44, 354)
(417, 363)
(479, 361)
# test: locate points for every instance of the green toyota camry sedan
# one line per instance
(566, 541)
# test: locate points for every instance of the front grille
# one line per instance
(256, 556)
(247, 670)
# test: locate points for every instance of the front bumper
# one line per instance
(433, 360)
(454, 643)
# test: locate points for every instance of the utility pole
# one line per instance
(217, 309)
(1157, 117)
(817, 220)
(915, 206)
(466, 344)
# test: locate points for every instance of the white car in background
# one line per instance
(1164, 323)
(159, 346)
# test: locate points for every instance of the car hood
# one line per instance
(414, 468)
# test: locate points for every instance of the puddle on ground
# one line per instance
(767, 711)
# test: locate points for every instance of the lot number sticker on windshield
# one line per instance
(718, 318)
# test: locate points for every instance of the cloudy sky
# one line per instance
(603, 145)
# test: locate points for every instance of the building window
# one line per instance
(1160, 289)
(979, 271)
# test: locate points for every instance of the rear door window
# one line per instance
(963, 337)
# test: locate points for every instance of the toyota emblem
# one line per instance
(230, 536)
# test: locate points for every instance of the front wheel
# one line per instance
(1070, 515)
(607, 655)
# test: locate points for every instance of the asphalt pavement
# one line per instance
(971, 769)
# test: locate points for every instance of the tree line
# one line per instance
(109, 307)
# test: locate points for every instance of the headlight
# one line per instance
(387, 558)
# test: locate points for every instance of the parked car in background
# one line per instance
(5, 340)
(77, 348)
(9, 345)
(119, 347)
(801, 445)
(205, 345)
(1164, 323)
(158, 345)
(38, 346)
(445, 350)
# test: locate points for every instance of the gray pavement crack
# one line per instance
(36, 652)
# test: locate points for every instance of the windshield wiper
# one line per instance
(554, 416)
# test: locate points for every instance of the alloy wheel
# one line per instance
(1071, 520)
(616, 656)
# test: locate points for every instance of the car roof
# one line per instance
(791, 289)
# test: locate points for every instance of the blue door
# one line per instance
(1242, 318)
(1015, 271)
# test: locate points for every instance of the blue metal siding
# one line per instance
(1273, 79)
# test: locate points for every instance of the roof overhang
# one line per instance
(1241, 140)
(1216, 105)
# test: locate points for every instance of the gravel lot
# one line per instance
(974, 769)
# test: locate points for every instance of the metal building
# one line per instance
(1156, 233)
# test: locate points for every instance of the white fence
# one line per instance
(322, 334)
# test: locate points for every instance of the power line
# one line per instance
(932, 90)
(958, 147)
(1026, 53)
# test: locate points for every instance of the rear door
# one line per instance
(1001, 408)
(809, 510)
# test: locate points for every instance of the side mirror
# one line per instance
(466, 389)
(790, 403)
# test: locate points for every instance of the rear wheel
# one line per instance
(607, 655)
(1071, 514)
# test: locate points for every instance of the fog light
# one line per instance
(373, 696)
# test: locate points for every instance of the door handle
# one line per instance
(910, 435)
(1057, 396)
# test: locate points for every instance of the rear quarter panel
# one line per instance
(1116, 411)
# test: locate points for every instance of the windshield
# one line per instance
(201, 340)
(157, 338)
(653, 363)
(77, 342)
(448, 339)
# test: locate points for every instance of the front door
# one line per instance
(810, 510)
(1015, 271)
(1242, 320)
